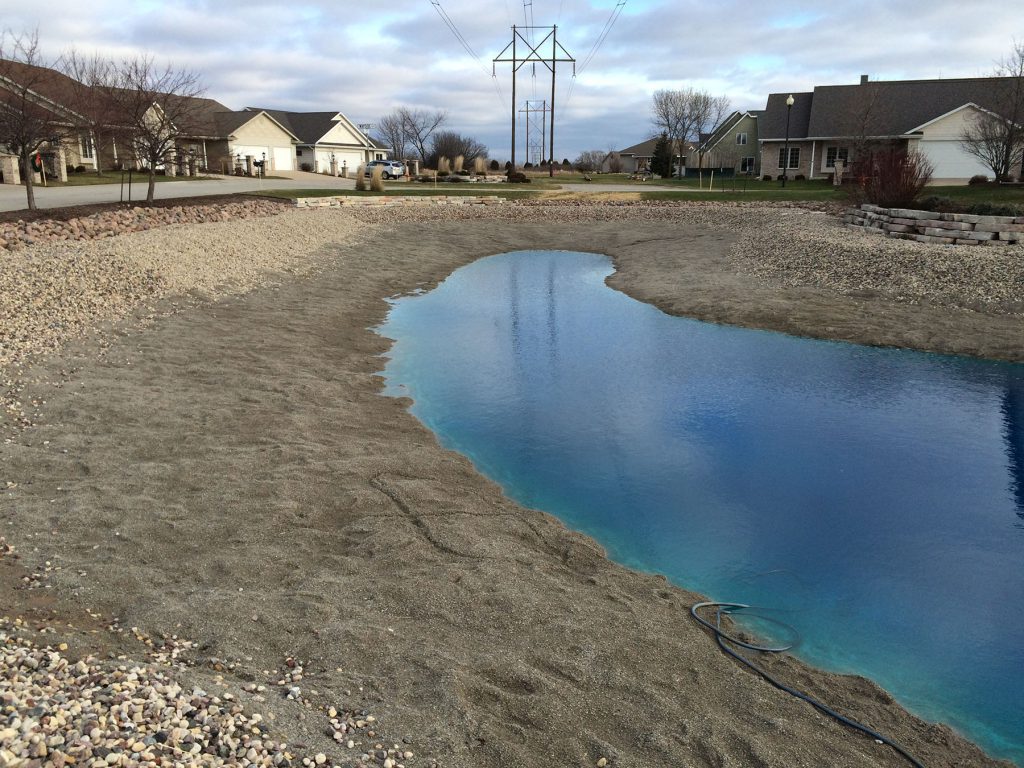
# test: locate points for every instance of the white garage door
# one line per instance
(284, 159)
(950, 160)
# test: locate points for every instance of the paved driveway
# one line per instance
(12, 197)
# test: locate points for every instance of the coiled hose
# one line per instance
(724, 638)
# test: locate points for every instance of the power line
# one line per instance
(603, 35)
(454, 30)
(450, 23)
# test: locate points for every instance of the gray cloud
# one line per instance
(366, 58)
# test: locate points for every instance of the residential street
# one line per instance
(12, 196)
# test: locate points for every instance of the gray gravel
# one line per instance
(60, 290)
(817, 251)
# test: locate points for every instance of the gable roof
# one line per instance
(643, 149)
(877, 108)
(311, 127)
(711, 140)
(227, 122)
(773, 123)
(51, 90)
(203, 116)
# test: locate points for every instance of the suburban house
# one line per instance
(211, 136)
(223, 140)
(733, 145)
(51, 92)
(635, 158)
(327, 142)
(831, 122)
(631, 159)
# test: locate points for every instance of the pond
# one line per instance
(873, 498)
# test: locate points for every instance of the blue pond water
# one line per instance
(874, 498)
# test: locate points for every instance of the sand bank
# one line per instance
(231, 473)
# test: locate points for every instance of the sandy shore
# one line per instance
(230, 473)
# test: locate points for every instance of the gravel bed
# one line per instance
(59, 290)
(113, 221)
(56, 712)
(820, 252)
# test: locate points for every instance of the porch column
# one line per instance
(10, 170)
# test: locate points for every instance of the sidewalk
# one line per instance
(12, 196)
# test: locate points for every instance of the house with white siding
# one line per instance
(327, 142)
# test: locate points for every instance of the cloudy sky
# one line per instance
(367, 57)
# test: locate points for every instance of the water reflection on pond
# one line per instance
(873, 497)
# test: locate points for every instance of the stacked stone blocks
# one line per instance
(937, 228)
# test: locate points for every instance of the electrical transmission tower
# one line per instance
(536, 139)
(512, 54)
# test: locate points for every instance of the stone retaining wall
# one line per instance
(361, 201)
(937, 228)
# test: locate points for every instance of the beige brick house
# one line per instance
(328, 142)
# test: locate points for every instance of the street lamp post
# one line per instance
(785, 153)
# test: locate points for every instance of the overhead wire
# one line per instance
(603, 35)
(450, 23)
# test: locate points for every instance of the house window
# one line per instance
(836, 153)
(741, 138)
(88, 150)
(794, 158)
(379, 156)
(298, 152)
(746, 165)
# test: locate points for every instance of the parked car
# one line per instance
(391, 169)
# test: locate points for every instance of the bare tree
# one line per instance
(673, 117)
(614, 161)
(419, 125)
(996, 137)
(391, 132)
(590, 160)
(706, 113)
(90, 84)
(28, 120)
(683, 115)
(157, 106)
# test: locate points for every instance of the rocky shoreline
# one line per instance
(278, 509)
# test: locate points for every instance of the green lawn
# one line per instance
(88, 179)
(997, 194)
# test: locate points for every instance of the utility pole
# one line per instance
(558, 53)
(536, 136)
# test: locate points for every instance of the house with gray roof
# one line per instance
(635, 158)
(832, 123)
(631, 159)
(327, 142)
(224, 140)
(733, 144)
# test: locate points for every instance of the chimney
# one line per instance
(863, 79)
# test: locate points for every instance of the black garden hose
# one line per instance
(723, 640)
